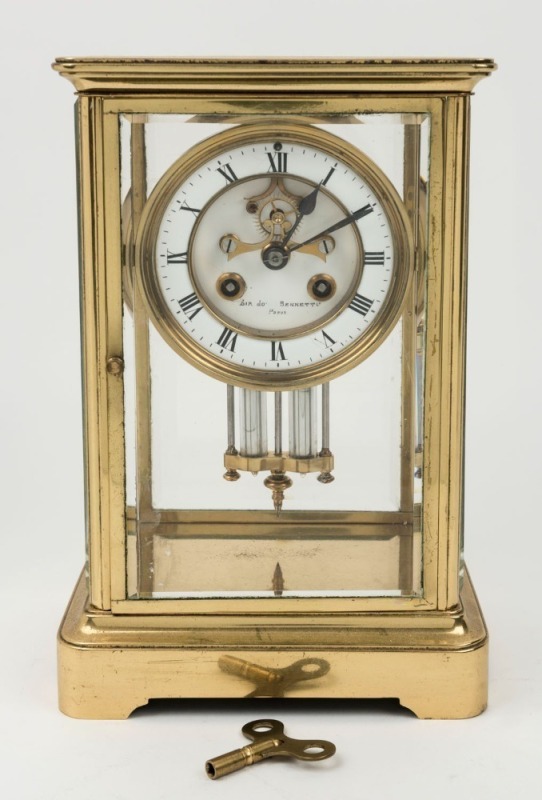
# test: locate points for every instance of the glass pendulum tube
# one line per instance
(303, 455)
(252, 423)
(303, 434)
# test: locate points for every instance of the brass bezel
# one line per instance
(304, 376)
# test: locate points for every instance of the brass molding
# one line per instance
(272, 76)
(284, 463)
(434, 663)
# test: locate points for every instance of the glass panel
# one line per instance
(188, 450)
(332, 507)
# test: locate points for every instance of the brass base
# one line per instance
(435, 663)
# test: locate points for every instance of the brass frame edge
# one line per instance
(89, 124)
(104, 541)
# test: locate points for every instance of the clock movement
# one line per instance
(273, 281)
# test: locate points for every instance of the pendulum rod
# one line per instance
(277, 480)
(325, 416)
(326, 476)
(278, 423)
(231, 474)
(231, 420)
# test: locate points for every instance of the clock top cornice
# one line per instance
(128, 76)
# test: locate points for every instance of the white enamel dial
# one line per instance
(279, 298)
(275, 255)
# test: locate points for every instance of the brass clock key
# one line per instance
(269, 740)
(274, 682)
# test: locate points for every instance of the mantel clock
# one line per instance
(273, 282)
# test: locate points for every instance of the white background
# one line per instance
(159, 753)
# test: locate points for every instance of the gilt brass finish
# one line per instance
(278, 482)
(274, 682)
(115, 365)
(273, 76)
(121, 644)
(314, 290)
(282, 463)
(434, 663)
(231, 286)
(269, 740)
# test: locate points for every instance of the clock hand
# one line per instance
(361, 212)
(306, 206)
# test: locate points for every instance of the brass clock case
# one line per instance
(387, 608)
(307, 375)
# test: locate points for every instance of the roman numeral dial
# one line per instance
(277, 351)
(191, 305)
(268, 256)
(228, 173)
(375, 258)
(361, 305)
(227, 340)
(177, 258)
(278, 162)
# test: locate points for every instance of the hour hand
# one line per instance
(306, 207)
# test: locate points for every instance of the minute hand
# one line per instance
(361, 212)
